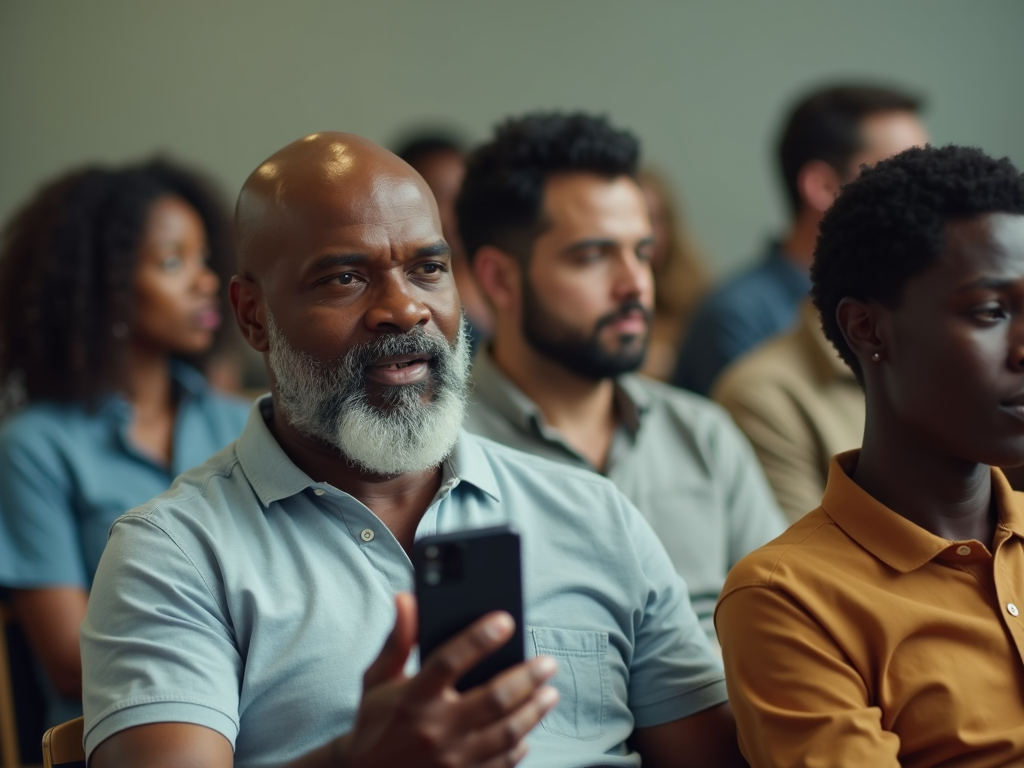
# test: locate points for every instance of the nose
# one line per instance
(395, 307)
(207, 282)
(1016, 345)
(633, 278)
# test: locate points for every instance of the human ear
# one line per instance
(247, 304)
(499, 277)
(859, 323)
(818, 184)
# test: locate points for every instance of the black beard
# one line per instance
(583, 355)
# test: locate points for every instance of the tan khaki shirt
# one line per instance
(799, 404)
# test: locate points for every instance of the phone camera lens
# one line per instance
(432, 552)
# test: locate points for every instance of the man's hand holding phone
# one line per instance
(425, 721)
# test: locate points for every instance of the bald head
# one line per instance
(323, 181)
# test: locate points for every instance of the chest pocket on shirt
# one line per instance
(581, 679)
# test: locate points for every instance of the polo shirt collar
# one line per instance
(492, 387)
(190, 381)
(890, 537)
(469, 464)
(273, 476)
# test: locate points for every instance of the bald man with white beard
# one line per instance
(257, 614)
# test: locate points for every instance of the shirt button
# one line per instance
(1012, 609)
(318, 491)
(367, 535)
(963, 549)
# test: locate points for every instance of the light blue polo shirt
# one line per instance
(250, 599)
(66, 474)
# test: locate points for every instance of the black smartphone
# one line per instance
(459, 578)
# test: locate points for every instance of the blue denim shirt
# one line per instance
(739, 315)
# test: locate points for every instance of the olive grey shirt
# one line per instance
(676, 455)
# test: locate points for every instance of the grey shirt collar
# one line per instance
(274, 476)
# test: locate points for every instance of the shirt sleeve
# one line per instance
(39, 530)
(674, 672)
(148, 590)
(797, 700)
(753, 514)
(785, 447)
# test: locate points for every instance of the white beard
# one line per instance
(329, 402)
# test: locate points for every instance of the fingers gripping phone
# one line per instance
(459, 578)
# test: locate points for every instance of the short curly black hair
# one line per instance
(67, 266)
(503, 191)
(889, 225)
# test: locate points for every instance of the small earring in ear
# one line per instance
(875, 357)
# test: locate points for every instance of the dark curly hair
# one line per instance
(415, 148)
(67, 265)
(503, 190)
(826, 125)
(889, 225)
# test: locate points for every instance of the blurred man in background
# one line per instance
(828, 136)
(439, 158)
(561, 242)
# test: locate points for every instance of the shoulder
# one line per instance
(484, 418)
(43, 425)
(513, 463)
(797, 557)
(745, 292)
(691, 414)
(224, 406)
(777, 363)
(205, 493)
(545, 493)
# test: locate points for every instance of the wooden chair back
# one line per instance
(62, 744)
(10, 752)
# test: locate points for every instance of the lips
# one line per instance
(207, 318)
(630, 322)
(396, 370)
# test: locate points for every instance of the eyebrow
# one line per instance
(335, 260)
(440, 248)
(990, 283)
(582, 245)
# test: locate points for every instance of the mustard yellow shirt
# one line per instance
(857, 638)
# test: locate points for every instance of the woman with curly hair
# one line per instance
(109, 292)
(885, 628)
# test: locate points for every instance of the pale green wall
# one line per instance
(222, 84)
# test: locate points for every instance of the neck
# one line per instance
(582, 409)
(945, 495)
(802, 237)
(147, 384)
(398, 500)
